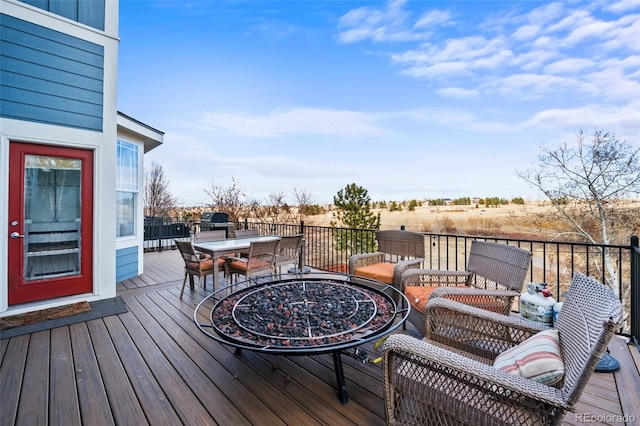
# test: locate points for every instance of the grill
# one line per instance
(211, 221)
(325, 313)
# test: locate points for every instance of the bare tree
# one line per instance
(276, 209)
(231, 200)
(590, 185)
(303, 200)
(158, 200)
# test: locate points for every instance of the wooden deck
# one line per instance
(152, 365)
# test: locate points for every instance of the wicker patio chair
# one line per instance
(246, 233)
(203, 236)
(196, 264)
(261, 259)
(289, 253)
(397, 252)
(449, 377)
(494, 276)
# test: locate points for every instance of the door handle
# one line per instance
(16, 235)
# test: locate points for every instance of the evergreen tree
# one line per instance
(353, 211)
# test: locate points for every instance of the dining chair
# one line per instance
(203, 236)
(245, 233)
(196, 264)
(289, 252)
(260, 260)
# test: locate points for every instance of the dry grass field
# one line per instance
(510, 220)
(446, 219)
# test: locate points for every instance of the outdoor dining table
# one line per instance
(228, 246)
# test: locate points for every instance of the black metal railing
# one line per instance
(161, 231)
(635, 290)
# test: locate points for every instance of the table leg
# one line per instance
(342, 386)
(216, 273)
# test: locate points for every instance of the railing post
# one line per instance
(303, 249)
(635, 289)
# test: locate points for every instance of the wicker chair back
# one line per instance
(497, 266)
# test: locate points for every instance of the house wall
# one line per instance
(49, 76)
(101, 138)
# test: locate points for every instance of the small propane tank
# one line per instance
(556, 312)
(537, 304)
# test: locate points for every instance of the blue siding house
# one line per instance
(71, 165)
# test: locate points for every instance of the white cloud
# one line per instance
(432, 18)
(380, 25)
(593, 29)
(569, 66)
(545, 14)
(526, 32)
(623, 6)
(625, 36)
(621, 120)
(535, 59)
(458, 93)
(575, 19)
(293, 121)
(533, 86)
(440, 69)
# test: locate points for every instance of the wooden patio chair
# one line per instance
(478, 367)
(397, 252)
(261, 259)
(493, 278)
(289, 253)
(196, 264)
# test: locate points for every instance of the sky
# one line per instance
(408, 99)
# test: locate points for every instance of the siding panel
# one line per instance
(88, 12)
(49, 77)
(47, 116)
(92, 13)
(83, 53)
(126, 263)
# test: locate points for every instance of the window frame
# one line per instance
(127, 182)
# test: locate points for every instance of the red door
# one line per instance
(50, 222)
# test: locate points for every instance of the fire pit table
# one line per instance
(323, 313)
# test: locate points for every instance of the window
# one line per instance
(127, 188)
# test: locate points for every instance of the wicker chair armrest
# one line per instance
(440, 380)
(434, 277)
(474, 330)
(364, 259)
(498, 301)
(401, 267)
(195, 258)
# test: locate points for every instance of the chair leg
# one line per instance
(184, 282)
(195, 300)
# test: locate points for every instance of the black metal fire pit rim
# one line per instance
(379, 288)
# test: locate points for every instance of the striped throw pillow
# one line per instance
(537, 358)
